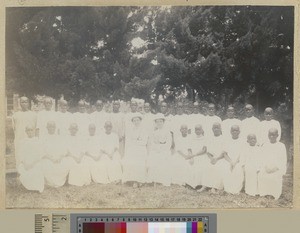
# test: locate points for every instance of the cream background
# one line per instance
(246, 221)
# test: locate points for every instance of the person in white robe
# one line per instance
(148, 116)
(110, 156)
(79, 174)
(134, 161)
(233, 175)
(20, 120)
(250, 125)
(82, 119)
(195, 118)
(178, 120)
(30, 167)
(199, 149)
(252, 159)
(229, 122)
(117, 119)
(214, 169)
(64, 117)
(209, 120)
(159, 158)
(99, 117)
(44, 116)
(273, 167)
(98, 165)
(268, 124)
(182, 160)
(55, 162)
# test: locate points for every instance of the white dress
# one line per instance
(159, 158)
(20, 121)
(274, 156)
(30, 155)
(233, 179)
(213, 173)
(64, 119)
(252, 159)
(43, 117)
(134, 160)
(227, 124)
(55, 163)
(79, 174)
(200, 162)
(98, 165)
(265, 126)
(110, 144)
(181, 167)
(208, 124)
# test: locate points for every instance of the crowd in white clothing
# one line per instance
(199, 151)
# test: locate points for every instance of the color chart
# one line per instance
(160, 223)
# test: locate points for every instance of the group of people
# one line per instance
(137, 147)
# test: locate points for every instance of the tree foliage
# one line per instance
(226, 55)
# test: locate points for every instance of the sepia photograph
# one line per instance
(149, 107)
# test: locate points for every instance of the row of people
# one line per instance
(122, 122)
(216, 162)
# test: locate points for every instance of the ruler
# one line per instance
(52, 223)
(43, 223)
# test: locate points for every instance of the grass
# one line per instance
(123, 196)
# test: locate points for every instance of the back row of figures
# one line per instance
(122, 120)
(200, 151)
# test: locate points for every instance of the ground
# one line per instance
(124, 196)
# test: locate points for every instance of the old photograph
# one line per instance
(149, 107)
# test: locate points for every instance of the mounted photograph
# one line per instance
(149, 107)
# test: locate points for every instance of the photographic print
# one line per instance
(149, 107)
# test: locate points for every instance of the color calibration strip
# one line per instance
(142, 227)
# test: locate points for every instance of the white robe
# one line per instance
(83, 121)
(99, 119)
(98, 165)
(250, 125)
(79, 174)
(31, 155)
(208, 124)
(213, 173)
(195, 119)
(200, 162)
(252, 159)
(273, 156)
(20, 121)
(55, 163)
(233, 179)
(265, 126)
(63, 123)
(159, 158)
(43, 117)
(134, 160)
(109, 143)
(181, 167)
(227, 124)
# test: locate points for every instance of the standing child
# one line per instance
(251, 162)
